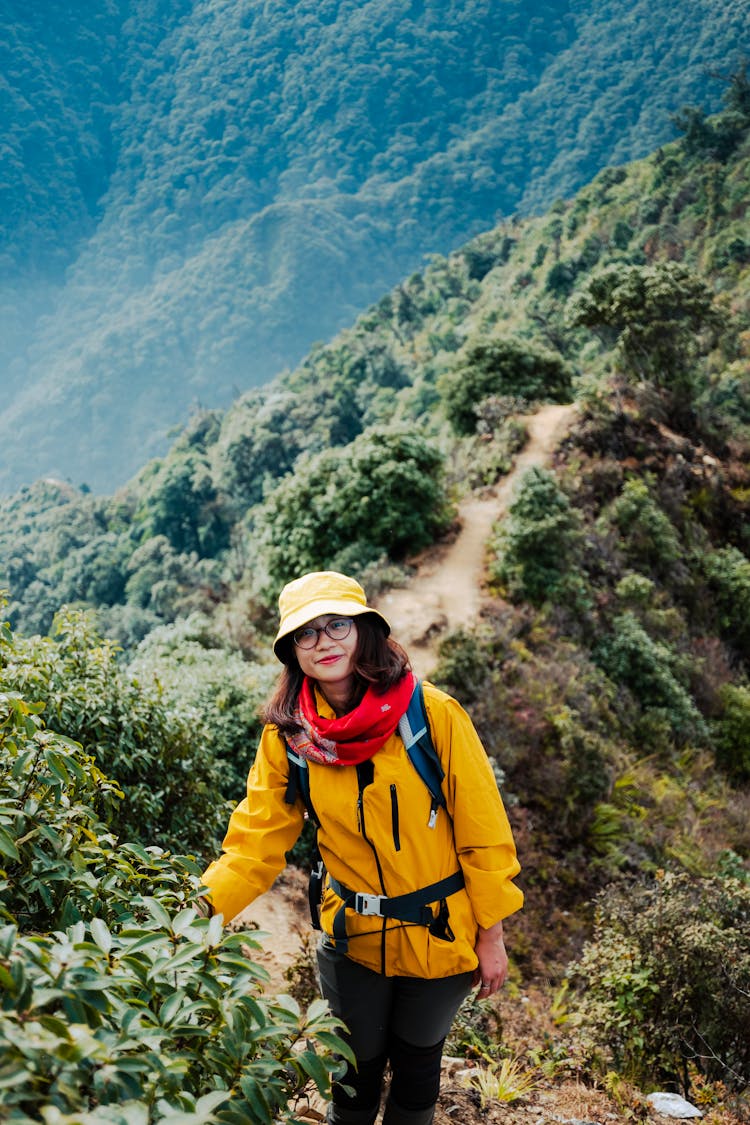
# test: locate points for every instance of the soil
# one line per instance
(447, 591)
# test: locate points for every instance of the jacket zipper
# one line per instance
(394, 819)
(364, 778)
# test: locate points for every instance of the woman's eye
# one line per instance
(337, 626)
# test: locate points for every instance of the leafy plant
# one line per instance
(652, 672)
(382, 494)
(501, 367)
(148, 1016)
(119, 1002)
(175, 786)
(539, 542)
(665, 981)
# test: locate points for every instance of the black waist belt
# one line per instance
(413, 907)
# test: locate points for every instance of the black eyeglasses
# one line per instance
(338, 630)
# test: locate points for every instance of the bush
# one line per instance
(501, 367)
(119, 1004)
(728, 573)
(382, 494)
(539, 543)
(194, 673)
(158, 1019)
(646, 532)
(665, 982)
(650, 670)
(732, 732)
(175, 786)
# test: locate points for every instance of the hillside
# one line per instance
(194, 193)
(197, 528)
(604, 658)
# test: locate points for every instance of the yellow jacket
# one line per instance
(397, 845)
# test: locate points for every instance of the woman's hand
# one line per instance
(493, 960)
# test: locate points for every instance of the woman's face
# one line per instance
(329, 661)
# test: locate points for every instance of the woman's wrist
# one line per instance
(492, 933)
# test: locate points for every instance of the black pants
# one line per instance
(398, 1020)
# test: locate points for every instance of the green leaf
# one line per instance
(157, 912)
(254, 1094)
(313, 1065)
(101, 935)
(7, 847)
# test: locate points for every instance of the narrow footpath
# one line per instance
(448, 587)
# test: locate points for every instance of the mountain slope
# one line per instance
(258, 174)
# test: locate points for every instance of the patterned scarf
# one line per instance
(355, 736)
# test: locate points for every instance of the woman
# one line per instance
(395, 984)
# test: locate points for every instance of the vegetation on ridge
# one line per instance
(195, 191)
(609, 676)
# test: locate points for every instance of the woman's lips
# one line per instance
(328, 659)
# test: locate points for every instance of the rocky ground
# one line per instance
(521, 1017)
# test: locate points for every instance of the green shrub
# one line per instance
(647, 535)
(501, 367)
(728, 573)
(118, 1002)
(732, 732)
(651, 671)
(157, 1020)
(665, 981)
(539, 543)
(195, 674)
(176, 788)
(382, 494)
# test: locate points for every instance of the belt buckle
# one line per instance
(367, 904)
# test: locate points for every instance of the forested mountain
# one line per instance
(194, 192)
(609, 675)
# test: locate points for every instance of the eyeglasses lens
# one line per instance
(338, 630)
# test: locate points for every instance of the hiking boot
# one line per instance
(395, 1115)
(337, 1115)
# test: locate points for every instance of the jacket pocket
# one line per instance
(394, 819)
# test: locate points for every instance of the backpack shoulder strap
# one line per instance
(414, 729)
(298, 784)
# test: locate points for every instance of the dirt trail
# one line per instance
(447, 589)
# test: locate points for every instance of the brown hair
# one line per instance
(378, 661)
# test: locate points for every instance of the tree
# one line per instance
(382, 494)
(540, 541)
(501, 366)
(656, 316)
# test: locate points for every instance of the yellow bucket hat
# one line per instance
(322, 591)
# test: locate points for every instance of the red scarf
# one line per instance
(355, 736)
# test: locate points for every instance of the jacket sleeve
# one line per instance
(261, 830)
(483, 837)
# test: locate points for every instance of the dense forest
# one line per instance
(609, 677)
(195, 192)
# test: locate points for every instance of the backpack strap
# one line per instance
(298, 785)
(414, 729)
(412, 908)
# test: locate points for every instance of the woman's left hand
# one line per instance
(493, 961)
